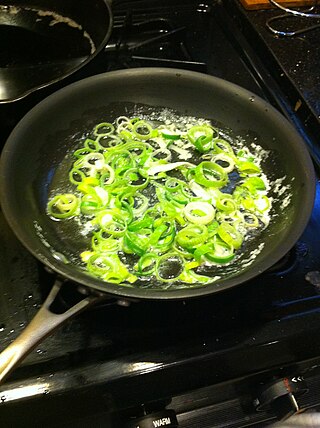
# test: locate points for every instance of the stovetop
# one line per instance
(116, 356)
(293, 60)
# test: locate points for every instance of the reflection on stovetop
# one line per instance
(151, 350)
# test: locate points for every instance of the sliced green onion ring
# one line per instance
(226, 203)
(103, 129)
(147, 264)
(192, 236)
(169, 267)
(210, 174)
(63, 206)
(230, 235)
(142, 130)
(225, 161)
(199, 212)
(250, 220)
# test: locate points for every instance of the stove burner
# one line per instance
(152, 42)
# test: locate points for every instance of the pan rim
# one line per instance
(151, 294)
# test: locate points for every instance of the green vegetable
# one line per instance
(155, 217)
(210, 174)
(63, 206)
(202, 137)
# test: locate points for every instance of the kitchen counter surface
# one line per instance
(293, 62)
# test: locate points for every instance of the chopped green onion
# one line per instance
(63, 206)
(170, 135)
(230, 235)
(201, 137)
(155, 218)
(210, 174)
(192, 236)
(199, 212)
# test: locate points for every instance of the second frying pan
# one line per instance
(42, 42)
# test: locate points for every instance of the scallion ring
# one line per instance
(199, 212)
(63, 206)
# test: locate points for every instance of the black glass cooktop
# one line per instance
(117, 355)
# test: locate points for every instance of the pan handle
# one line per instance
(41, 326)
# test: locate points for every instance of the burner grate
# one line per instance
(150, 42)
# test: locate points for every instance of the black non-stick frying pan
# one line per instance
(42, 42)
(35, 149)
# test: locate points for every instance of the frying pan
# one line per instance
(36, 149)
(44, 41)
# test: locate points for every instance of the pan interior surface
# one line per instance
(38, 154)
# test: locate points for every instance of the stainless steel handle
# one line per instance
(41, 326)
